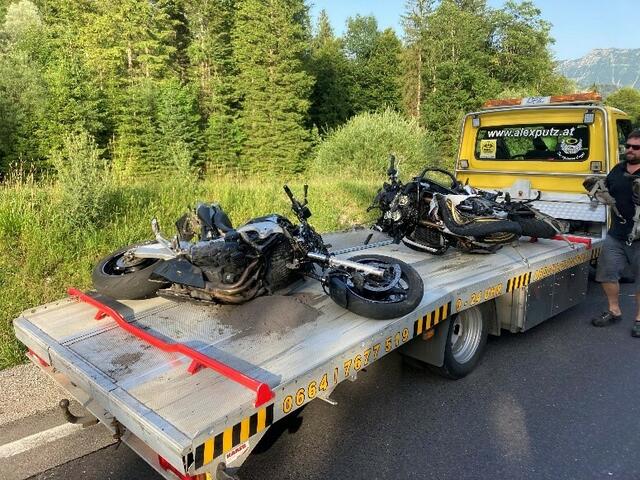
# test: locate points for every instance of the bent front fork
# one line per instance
(336, 262)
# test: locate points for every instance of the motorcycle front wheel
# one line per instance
(123, 279)
(396, 295)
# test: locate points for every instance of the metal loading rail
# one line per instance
(198, 360)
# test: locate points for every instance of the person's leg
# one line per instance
(611, 263)
(612, 291)
(635, 330)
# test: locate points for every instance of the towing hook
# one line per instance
(85, 421)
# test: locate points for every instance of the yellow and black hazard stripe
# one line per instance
(431, 319)
(595, 252)
(519, 281)
(232, 437)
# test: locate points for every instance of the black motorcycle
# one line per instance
(210, 261)
(430, 216)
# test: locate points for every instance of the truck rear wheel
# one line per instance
(466, 341)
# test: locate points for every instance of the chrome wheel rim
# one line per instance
(466, 335)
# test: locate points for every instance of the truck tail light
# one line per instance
(33, 355)
(166, 466)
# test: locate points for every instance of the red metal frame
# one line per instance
(198, 360)
(167, 467)
(574, 239)
(34, 356)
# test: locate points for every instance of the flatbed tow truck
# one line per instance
(193, 388)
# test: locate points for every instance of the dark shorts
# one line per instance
(616, 256)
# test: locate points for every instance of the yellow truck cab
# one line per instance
(545, 146)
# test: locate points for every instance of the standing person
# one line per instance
(616, 253)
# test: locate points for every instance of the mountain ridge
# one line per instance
(609, 67)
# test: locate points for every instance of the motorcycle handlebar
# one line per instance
(300, 209)
(289, 193)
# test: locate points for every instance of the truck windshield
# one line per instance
(557, 142)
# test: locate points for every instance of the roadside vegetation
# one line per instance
(48, 245)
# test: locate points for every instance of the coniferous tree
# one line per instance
(374, 65)
(135, 147)
(178, 122)
(213, 70)
(381, 82)
(74, 103)
(330, 105)
(22, 85)
(131, 46)
(270, 40)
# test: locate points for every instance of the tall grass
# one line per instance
(45, 247)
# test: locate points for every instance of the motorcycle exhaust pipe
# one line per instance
(241, 283)
(336, 262)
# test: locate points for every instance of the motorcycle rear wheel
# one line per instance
(534, 227)
(382, 304)
(122, 280)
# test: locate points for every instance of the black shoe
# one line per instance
(635, 331)
(606, 318)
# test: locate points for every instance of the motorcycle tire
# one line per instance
(125, 283)
(475, 229)
(378, 307)
(533, 227)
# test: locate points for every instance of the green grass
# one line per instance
(44, 249)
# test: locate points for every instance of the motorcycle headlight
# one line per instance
(395, 215)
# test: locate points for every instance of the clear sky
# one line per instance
(578, 25)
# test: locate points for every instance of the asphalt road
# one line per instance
(561, 401)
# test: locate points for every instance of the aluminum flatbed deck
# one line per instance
(300, 343)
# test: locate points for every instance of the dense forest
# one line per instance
(244, 86)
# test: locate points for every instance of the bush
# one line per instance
(83, 179)
(362, 146)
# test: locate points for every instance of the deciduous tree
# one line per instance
(270, 41)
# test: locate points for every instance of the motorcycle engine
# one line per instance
(278, 274)
(221, 260)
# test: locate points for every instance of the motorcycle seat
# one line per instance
(213, 218)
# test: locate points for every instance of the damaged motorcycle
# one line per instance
(430, 216)
(210, 261)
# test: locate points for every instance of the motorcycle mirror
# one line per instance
(392, 171)
(305, 191)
